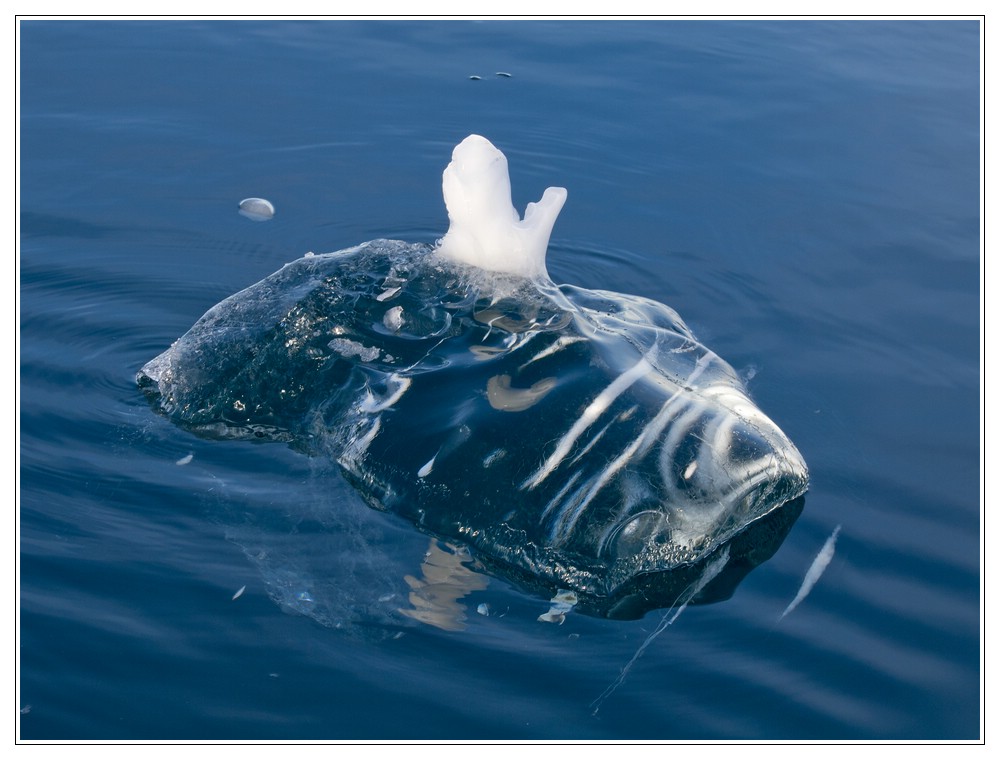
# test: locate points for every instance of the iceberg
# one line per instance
(572, 439)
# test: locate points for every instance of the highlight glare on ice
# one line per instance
(574, 439)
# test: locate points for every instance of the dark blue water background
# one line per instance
(804, 193)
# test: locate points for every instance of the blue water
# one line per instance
(805, 194)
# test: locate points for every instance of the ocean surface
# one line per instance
(804, 193)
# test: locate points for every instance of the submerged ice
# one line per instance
(573, 439)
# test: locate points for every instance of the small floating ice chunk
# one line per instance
(815, 571)
(184, 460)
(239, 593)
(424, 471)
(257, 209)
(483, 609)
(485, 230)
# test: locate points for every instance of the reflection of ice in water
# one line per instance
(445, 579)
(562, 603)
